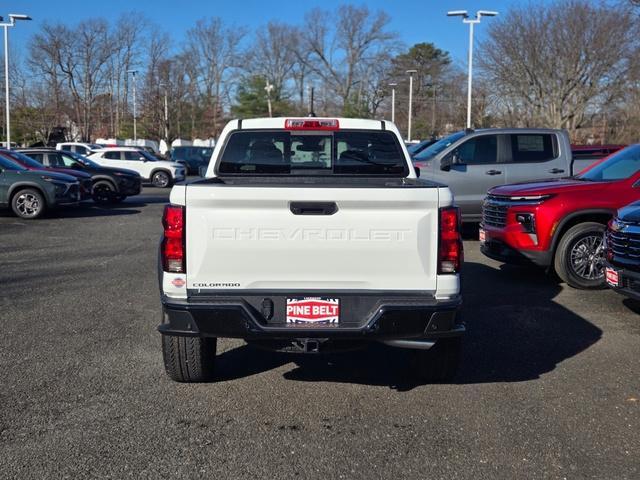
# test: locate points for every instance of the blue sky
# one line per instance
(415, 21)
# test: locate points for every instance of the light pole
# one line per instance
(12, 17)
(410, 72)
(393, 101)
(268, 88)
(471, 21)
(135, 127)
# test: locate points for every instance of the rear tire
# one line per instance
(28, 204)
(189, 359)
(440, 363)
(579, 258)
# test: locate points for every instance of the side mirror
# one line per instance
(202, 171)
(417, 169)
(447, 162)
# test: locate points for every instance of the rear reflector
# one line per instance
(450, 253)
(173, 242)
(311, 124)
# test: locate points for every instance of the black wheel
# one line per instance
(439, 363)
(104, 193)
(189, 359)
(28, 204)
(579, 258)
(161, 180)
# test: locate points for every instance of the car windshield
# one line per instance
(417, 146)
(82, 159)
(431, 151)
(7, 164)
(21, 157)
(619, 166)
(344, 152)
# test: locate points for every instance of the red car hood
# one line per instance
(544, 187)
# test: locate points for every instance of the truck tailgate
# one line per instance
(247, 237)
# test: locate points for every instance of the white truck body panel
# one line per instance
(248, 238)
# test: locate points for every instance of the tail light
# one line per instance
(173, 242)
(450, 252)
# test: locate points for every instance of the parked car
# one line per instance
(191, 157)
(594, 152)
(109, 185)
(29, 193)
(559, 224)
(471, 162)
(416, 148)
(159, 172)
(78, 147)
(84, 179)
(310, 234)
(622, 247)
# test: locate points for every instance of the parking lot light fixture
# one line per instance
(410, 73)
(393, 101)
(12, 17)
(471, 21)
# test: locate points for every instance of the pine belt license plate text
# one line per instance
(313, 311)
(612, 277)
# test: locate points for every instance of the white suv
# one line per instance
(159, 172)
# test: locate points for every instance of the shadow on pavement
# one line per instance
(516, 332)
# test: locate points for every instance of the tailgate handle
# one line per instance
(313, 208)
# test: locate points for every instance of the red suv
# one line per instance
(559, 223)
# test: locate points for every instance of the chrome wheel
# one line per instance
(587, 257)
(28, 205)
(160, 179)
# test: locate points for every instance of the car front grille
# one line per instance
(494, 211)
(624, 244)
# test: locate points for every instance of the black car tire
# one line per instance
(580, 244)
(439, 363)
(161, 179)
(28, 204)
(189, 359)
(104, 193)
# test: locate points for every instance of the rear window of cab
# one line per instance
(302, 152)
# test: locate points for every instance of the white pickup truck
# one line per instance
(307, 235)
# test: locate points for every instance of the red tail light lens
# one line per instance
(450, 252)
(173, 244)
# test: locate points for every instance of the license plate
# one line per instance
(612, 277)
(315, 311)
(482, 235)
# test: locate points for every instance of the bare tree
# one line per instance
(213, 50)
(344, 45)
(553, 67)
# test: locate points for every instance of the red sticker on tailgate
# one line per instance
(313, 310)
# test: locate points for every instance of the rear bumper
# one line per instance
(367, 317)
(629, 282)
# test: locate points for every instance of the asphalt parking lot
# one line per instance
(549, 386)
